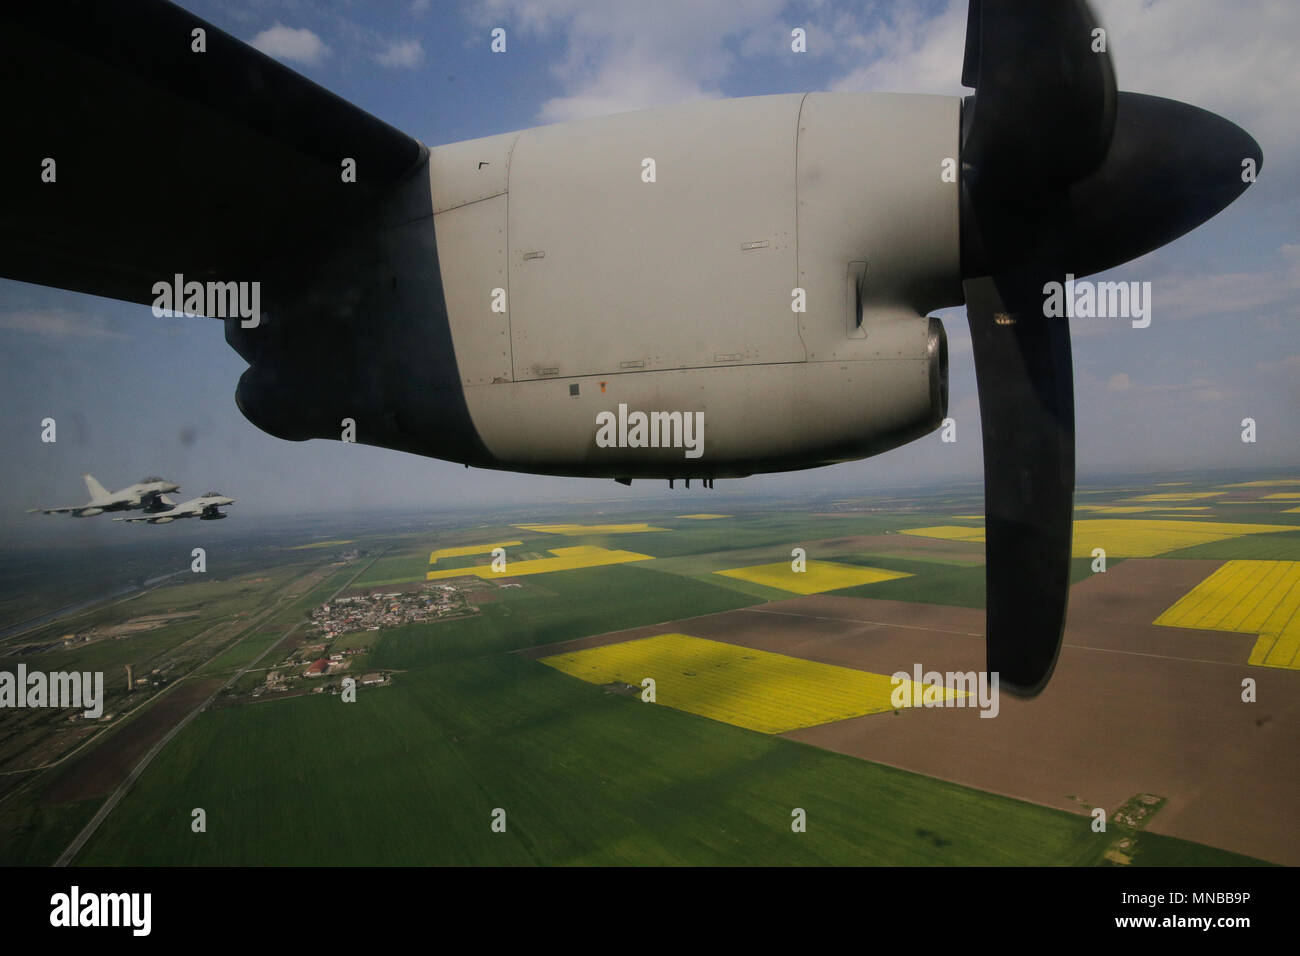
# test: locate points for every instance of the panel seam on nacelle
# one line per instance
(798, 126)
(468, 202)
(610, 374)
(510, 303)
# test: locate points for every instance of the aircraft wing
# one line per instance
(157, 502)
(52, 511)
(184, 511)
(216, 165)
(158, 514)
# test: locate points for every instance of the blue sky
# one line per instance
(135, 395)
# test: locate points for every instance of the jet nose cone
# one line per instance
(1171, 166)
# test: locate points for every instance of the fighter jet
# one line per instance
(204, 508)
(146, 494)
(707, 290)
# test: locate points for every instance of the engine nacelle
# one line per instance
(708, 290)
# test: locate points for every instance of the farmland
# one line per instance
(770, 693)
(411, 776)
(772, 683)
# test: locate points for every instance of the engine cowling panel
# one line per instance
(752, 276)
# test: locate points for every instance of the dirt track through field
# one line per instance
(100, 770)
(1131, 708)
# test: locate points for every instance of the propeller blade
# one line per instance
(1060, 174)
(1042, 118)
(1044, 108)
(1026, 394)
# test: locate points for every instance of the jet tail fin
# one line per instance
(97, 491)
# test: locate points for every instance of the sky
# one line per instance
(134, 395)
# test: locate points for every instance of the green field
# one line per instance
(410, 775)
(933, 583)
(35, 835)
(395, 569)
(1155, 849)
(582, 602)
(411, 772)
(1278, 546)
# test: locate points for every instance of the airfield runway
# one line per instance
(1132, 708)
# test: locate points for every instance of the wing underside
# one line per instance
(217, 165)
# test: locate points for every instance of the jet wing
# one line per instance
(218, 165)
(53, 511)
(157, 514)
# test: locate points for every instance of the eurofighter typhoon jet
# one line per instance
(147, 494)
(205, 508)
(709, 290)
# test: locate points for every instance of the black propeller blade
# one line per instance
(1060, 174)
(1026, 392)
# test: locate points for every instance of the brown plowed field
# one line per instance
(99, 772)
(1132, 707)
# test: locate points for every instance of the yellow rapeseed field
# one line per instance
(1145, 539)
(949, 531)
(1128, 537)
(820, 576)
(1284, 495)
(576, 529)
(1178, 496)
(1136, 509)
(470, 549)
(1252, 597)
(566, 559)
(760, 690)
(1274, 483)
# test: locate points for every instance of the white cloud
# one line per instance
(1235, 59)
(406, 53)
(419, 6)
(902, 52)
(58, 323)
(1270, 291)
(1200, 389)
(625, 84)
(628, 54)
(1290, 362)
(287, 43)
